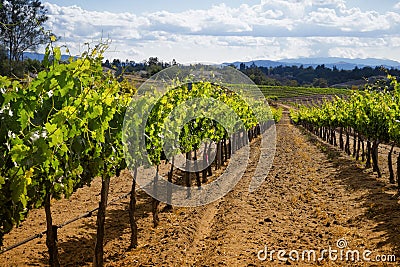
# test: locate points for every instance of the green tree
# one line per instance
(3, 59)
(154, 65)
(21, 28)
(320, 82)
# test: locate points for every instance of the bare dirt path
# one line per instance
(312, 197)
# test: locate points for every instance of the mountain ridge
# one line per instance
(40, 56)
(328, 62)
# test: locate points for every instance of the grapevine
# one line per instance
(369, 115)
(63, 128)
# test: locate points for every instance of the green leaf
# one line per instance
(2, 181)
(56, 138)
(97, 111)
(57, 53)
(55, 134)
(19, 152)
(50, 127)
(23, 118)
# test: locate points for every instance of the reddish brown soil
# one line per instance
(313, 196)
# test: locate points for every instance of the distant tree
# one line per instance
(21, 26)
(33, 66)
(153, 61)
(3, 60)
(107, 64)
(320, 82)
(292, 83)
(320, 76)
(116, 63)
(3, 53)
(154, 66)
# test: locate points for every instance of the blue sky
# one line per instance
(222, 31)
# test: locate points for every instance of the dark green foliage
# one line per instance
(319, 76)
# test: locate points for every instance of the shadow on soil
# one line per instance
(117, 223)
(380, 206)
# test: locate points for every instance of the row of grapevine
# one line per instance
(368, 115)
(179, 121)
(278, 92)
(63, 128)
(58, 132)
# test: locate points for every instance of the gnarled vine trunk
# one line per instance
(155, 201)
(98, 260)
(169, 185)
(341, 143)
(51, 234)
(368, 156)
(375, 146)
(390, 165)
(398, 174)
(132, 210)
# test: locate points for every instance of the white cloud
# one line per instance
(354, 20)
(397, 6)
(333, 3)
(272, 29)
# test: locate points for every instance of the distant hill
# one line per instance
(329, 62)
(40, 57)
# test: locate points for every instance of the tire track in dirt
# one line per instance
(202, 232)
(301, 206)
(211, 215)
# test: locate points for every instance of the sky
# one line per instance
(225, 31)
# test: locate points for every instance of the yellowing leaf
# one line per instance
(108, 100)
(28, 176)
